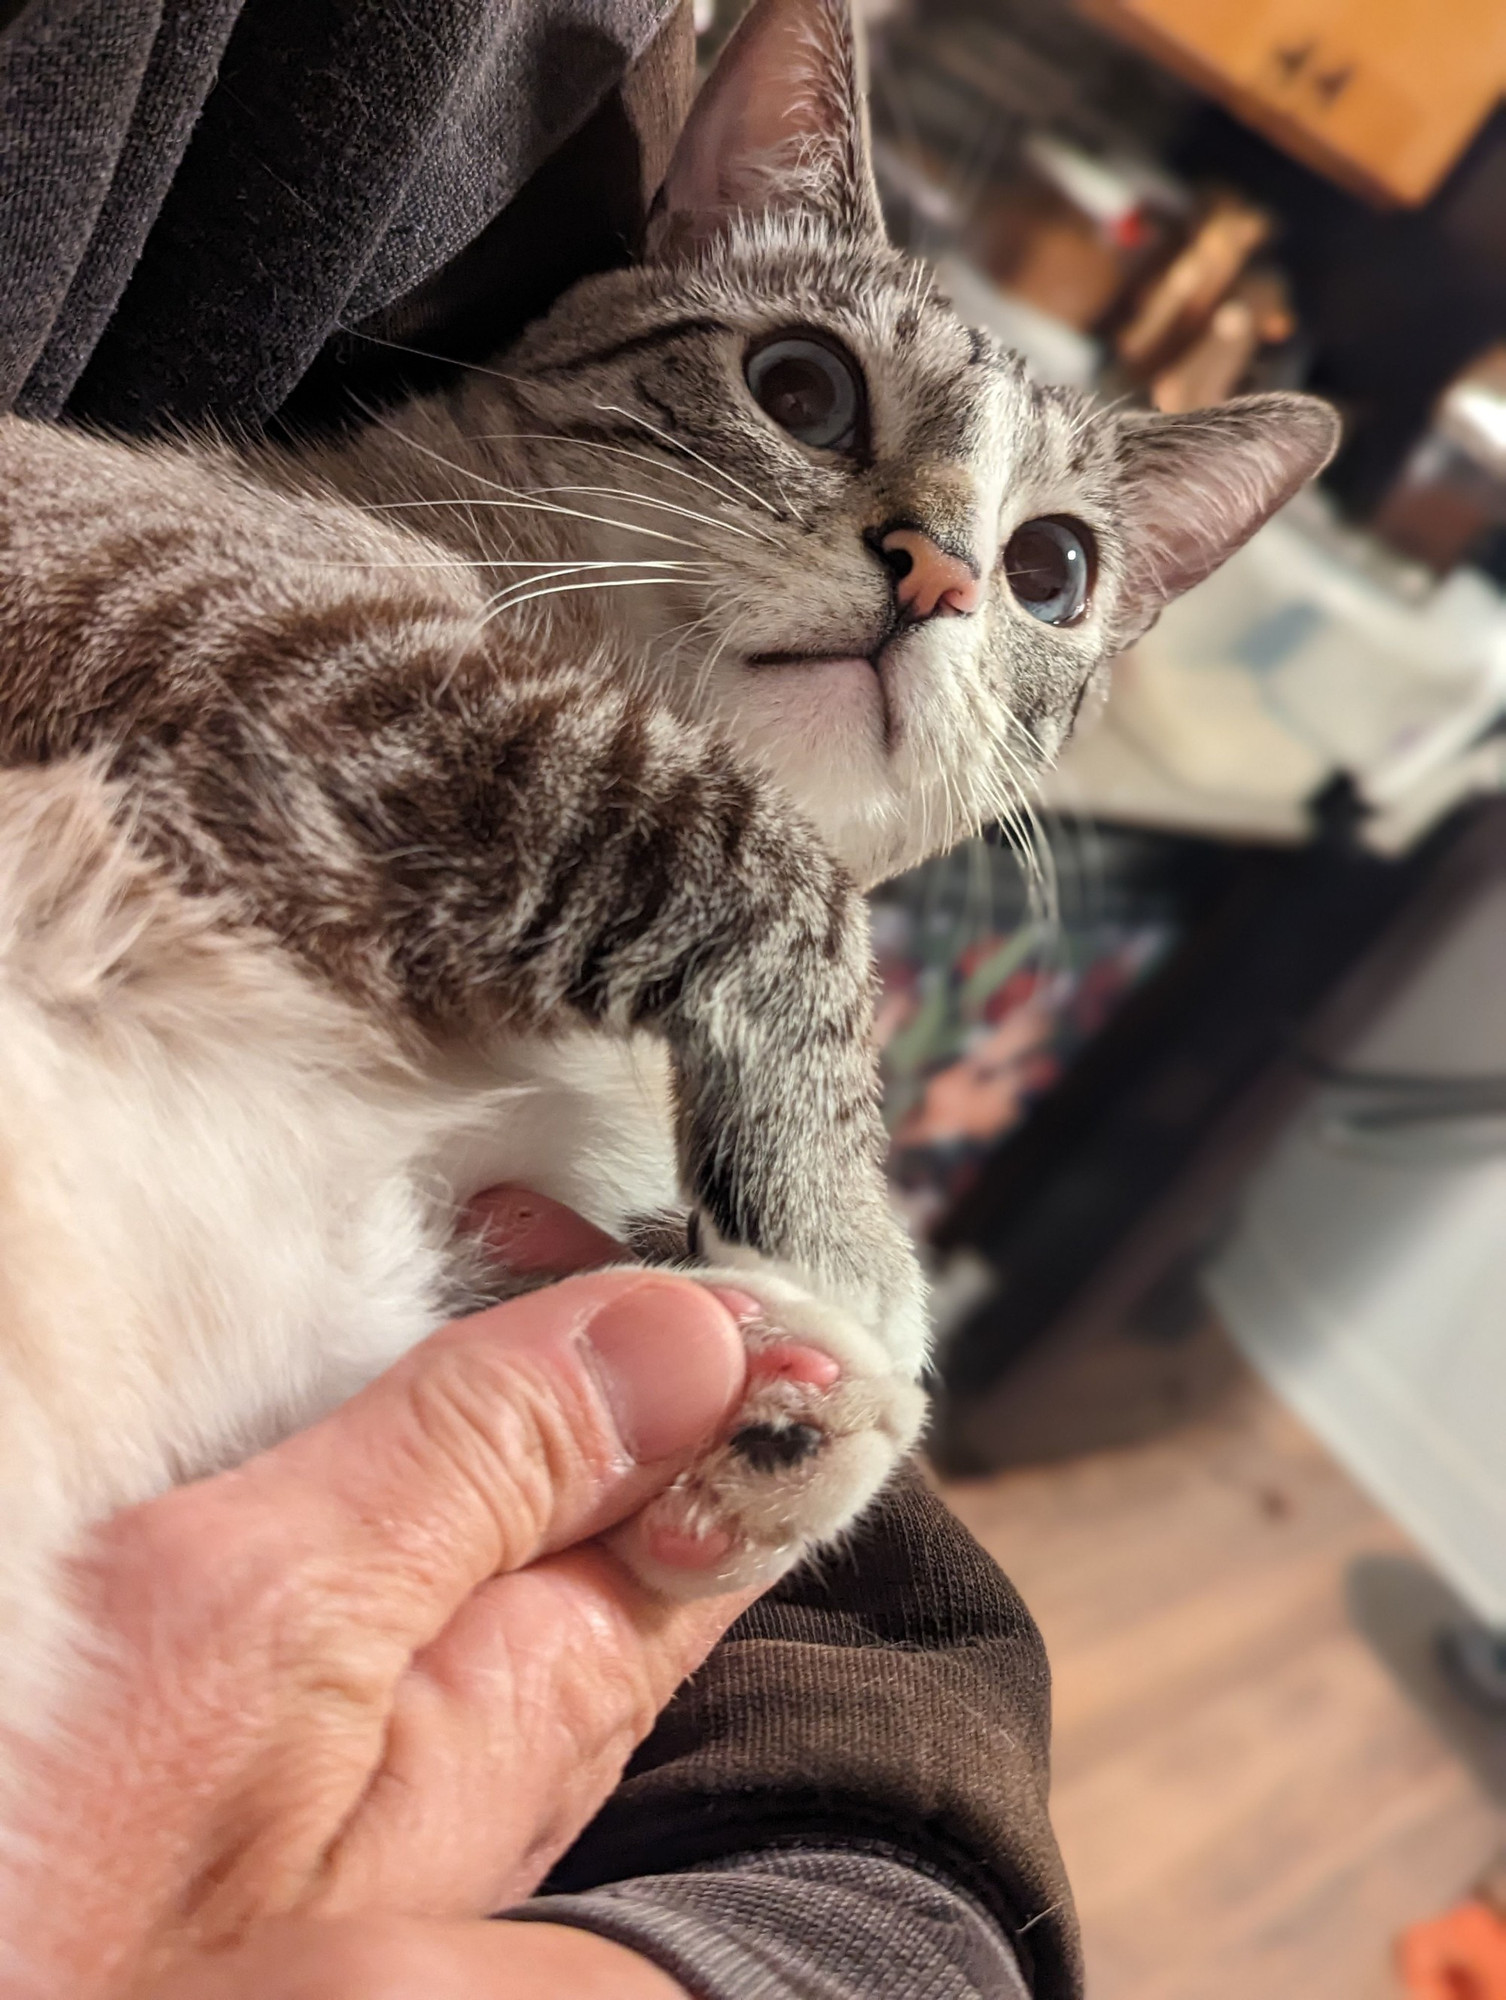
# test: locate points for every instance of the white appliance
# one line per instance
(1366, 1278)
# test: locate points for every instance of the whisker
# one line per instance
(708, 668)
(510, 600)
(512, 562)
(521, 494)
(523, 590)
(612, 409)
(428, 354)
(517, 500)
(1030, 837)
(599, 444)
(665, 506)
(677, 444)
(1016, 815)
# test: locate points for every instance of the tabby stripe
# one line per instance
(636, 343)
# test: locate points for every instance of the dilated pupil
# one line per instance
(797, 393)
(1039, 567)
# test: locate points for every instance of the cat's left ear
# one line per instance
(780, 124)
(1194, 488)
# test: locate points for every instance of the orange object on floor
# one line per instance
(1460, 1956)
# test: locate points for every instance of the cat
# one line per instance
(489, 793)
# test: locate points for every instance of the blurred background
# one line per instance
(1197, 1076)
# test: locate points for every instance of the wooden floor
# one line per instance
(1248, 1806)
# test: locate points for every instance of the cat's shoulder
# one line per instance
(65, 490)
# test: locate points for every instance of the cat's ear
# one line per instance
(1194, 488)
(780, 124)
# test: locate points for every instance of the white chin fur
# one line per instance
(819, 730)
(828, 714)
(862, 756)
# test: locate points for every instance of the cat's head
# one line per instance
(903, 563)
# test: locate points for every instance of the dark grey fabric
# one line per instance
(127, 109)
(818, 1924)
(69, 80)
(893, 1696)
(197, 193)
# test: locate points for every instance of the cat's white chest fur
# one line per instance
(228, 1202)
(581, 1118)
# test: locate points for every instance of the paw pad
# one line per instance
(826, 1412)
(776, 1447)
(787, 1361)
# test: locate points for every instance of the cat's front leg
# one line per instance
(692, 901)
(781, 1149)
(781, 1146)
(709, 913)
(835, 1348)
(498, 855)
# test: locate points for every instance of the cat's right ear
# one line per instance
(781, 124)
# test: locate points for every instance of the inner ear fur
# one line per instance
(780, 125)
(1194, 488)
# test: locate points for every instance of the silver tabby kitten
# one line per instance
(389, 819)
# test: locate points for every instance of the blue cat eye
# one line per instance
(811, 388)
(1049, 566)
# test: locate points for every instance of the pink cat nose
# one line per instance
(927, 579)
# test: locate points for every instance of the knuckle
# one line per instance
(514, 1438)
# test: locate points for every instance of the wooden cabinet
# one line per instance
(1382, 94)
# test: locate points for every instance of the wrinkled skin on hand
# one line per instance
(364, 1690)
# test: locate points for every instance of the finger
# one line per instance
(380, 1957)
(348, 1547)
(573, 1658)
(529, 1232)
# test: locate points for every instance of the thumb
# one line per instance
(507, 1435)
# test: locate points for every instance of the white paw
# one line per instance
(826, 1416)
(875, 1279)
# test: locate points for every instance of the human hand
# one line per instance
(375, 1669)
(378, 1957)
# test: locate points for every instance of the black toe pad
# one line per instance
(773, 1447)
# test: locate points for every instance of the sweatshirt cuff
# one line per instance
(801, 1924)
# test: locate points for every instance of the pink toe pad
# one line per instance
(677, 1549)
(785, 1361)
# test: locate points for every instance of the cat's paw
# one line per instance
(867, 1269)
(825, 1418)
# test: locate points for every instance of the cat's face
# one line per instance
(890, 564)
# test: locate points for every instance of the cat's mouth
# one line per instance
(814, 660)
